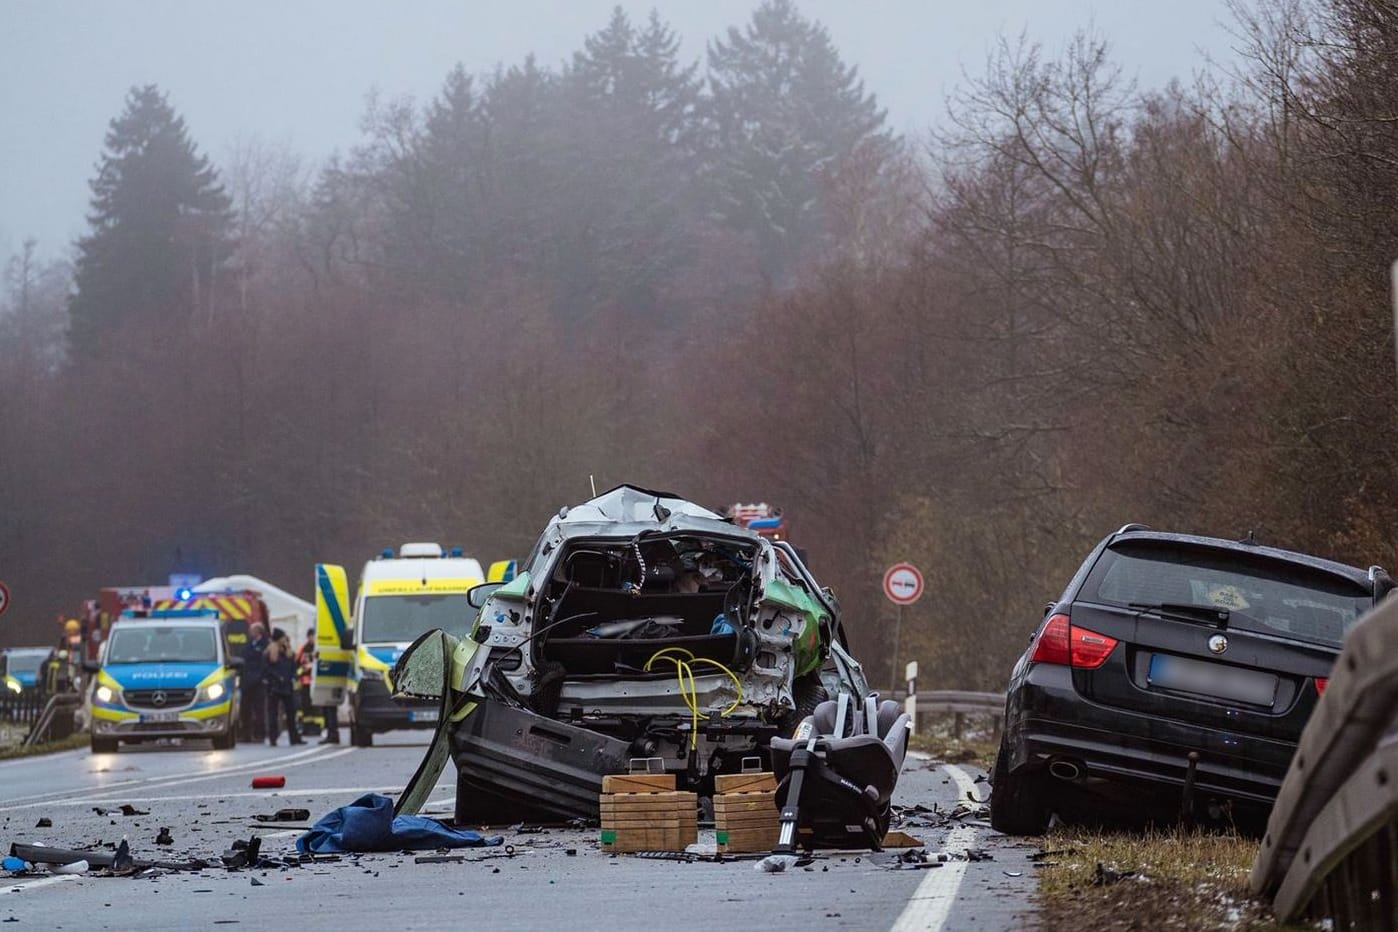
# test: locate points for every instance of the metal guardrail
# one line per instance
(21, 708)
(1331, 848)
(959, 703)
(56, 721)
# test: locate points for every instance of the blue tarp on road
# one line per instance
(368, 824)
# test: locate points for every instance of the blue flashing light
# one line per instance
(387, 553)
(457, 552)
(184, 594)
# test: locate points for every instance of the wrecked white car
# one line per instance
(641, 627)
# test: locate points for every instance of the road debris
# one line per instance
(164, 837)
(45, 822)
(914, 859)
(1106, 876)
(777, 863)
(129, 810)
(269, 782)
(243, 853)
(285, 815)
(1061, 852)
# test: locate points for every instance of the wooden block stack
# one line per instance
(643, 812)
(746, 817)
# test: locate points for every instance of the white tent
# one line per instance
(293, 615)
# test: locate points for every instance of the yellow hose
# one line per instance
(689, 690)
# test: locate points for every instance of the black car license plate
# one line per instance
(1212, 679)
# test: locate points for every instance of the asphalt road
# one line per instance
(205, 799)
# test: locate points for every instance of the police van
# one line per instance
(400, 597)
(164, 674)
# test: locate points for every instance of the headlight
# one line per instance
(214, 691)
(13, 686)
(105, 693)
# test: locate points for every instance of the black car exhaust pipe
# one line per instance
(1066, 770)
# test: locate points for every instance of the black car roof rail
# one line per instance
(1132, 527)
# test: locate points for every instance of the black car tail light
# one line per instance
(1089, 649)
(1053, 642)
(1065, 644)
(1320, 683)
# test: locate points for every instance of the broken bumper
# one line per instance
(513, 765)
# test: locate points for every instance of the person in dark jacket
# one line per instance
(280, 684)
(253, 708)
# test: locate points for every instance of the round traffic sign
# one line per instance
(4, 597)
(902, 584)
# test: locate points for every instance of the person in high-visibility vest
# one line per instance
(329, 714)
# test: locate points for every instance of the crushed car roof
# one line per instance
(629, 510)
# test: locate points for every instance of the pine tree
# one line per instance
(786, 114)
(160, 226)
(629, 124)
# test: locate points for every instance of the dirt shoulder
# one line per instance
(1092, 880)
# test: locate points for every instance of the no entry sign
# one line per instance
(4, 597)
(902, 584)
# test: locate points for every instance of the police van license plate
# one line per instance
(157, 717)
(422, 715)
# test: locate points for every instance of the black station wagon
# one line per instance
(1173, 677)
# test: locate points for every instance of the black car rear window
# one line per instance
(1260, 594)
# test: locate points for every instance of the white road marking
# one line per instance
(232, 770)
(39, 759)
(284, 793)
(116, 794)
(36, 884)
(930, 905)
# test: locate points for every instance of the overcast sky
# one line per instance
(296, 72)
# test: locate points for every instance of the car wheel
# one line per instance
(226, 741)
(808, 692)
(361, 737)
(1017, 800)
(104, 745)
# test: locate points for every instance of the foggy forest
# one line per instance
(1079, 303)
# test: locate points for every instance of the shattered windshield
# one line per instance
(164, 644)
(389, 619)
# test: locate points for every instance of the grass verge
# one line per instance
(978, 750)
(1181, 880)
(71, 743)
